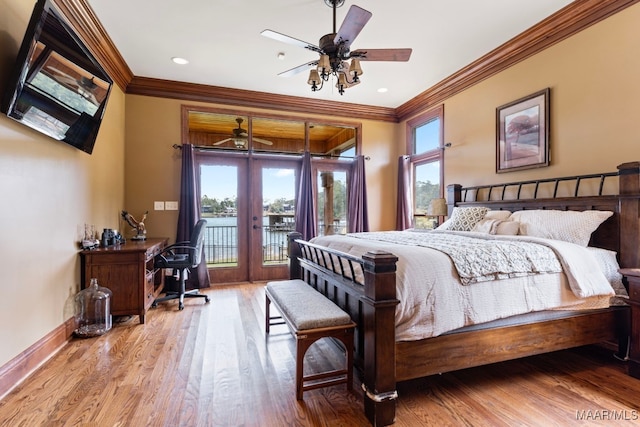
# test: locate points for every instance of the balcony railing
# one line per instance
(221, 244)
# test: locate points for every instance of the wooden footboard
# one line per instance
(366, 289)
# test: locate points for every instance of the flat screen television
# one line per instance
(57, 86)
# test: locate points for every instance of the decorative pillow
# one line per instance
(569, 226)
(495, 226)
(508, 228)
(488, 226)
(464, 218)
(500, 215)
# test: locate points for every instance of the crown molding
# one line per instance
(568, 21)
(84, 21)
(245, 98)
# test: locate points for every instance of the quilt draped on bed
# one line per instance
(440, 292)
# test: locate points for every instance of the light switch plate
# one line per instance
(158, 206)
(171, 206)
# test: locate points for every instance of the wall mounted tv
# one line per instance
(57, 86)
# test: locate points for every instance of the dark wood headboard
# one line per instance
(619, 233)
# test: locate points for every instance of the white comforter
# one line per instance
(434, 301)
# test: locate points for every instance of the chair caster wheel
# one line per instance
(154, 305)
(180, 306)
(206, 300)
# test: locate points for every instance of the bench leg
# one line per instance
(267, 321)
(302, 345)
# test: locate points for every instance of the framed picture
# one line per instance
(522, 135)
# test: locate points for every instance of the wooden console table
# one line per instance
(127, 270)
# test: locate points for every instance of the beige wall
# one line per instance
(153, 165)
(49, 191)
(595, 89)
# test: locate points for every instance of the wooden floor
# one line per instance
(211, 365)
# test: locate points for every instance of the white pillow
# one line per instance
(499, 215)
(569, 226)
(464, 218)
(609, 266)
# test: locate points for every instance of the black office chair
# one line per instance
(189, 256)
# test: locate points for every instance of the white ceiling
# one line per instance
(222, 40)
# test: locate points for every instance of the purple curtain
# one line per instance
(404, 214)
(305, 212)
(189, 214)
(358, 217)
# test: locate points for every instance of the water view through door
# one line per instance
(249, 208)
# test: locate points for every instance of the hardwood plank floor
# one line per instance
(212, 365)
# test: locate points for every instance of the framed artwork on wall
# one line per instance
(522, 134)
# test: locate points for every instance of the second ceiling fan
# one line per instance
(240, 136)
(335, 49)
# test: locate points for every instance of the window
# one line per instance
(425, 143)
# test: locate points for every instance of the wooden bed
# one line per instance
(371, 304)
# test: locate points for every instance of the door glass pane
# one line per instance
(427, 136)
(332, 202)
(219, 189)
(278, 207)
(426, 188)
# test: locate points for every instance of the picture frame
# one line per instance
(522, 134)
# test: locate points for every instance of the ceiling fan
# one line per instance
(240, 136)
(335, 49)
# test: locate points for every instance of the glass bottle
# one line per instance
(93, 310)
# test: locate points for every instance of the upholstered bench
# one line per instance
(310, 316)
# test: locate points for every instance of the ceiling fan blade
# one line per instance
(222, 142)
(298, 69)
(353, 23)
(262, 141)
(382, 54)
(290, 40)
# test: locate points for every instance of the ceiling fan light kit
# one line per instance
(240, 137)
(335, 50)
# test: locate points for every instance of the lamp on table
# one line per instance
(438, 209)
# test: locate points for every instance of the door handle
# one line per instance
(255, 227)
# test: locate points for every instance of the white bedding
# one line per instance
(434, 301)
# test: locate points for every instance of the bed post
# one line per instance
(629, 183)
(379, 307)
(454, 195)
(629, 190)
(295, 272)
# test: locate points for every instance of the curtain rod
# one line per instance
(209, 148)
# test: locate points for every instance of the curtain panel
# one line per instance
(189, 214)
(404, 212)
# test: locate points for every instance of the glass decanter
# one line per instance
(93, 310)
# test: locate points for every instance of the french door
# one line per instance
(249, 205)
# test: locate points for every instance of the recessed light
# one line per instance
(180, 61)
(382, 90)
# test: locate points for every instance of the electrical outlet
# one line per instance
(158, 206)
(171, 206)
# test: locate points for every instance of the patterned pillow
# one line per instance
(465, 218)
(569, 226)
